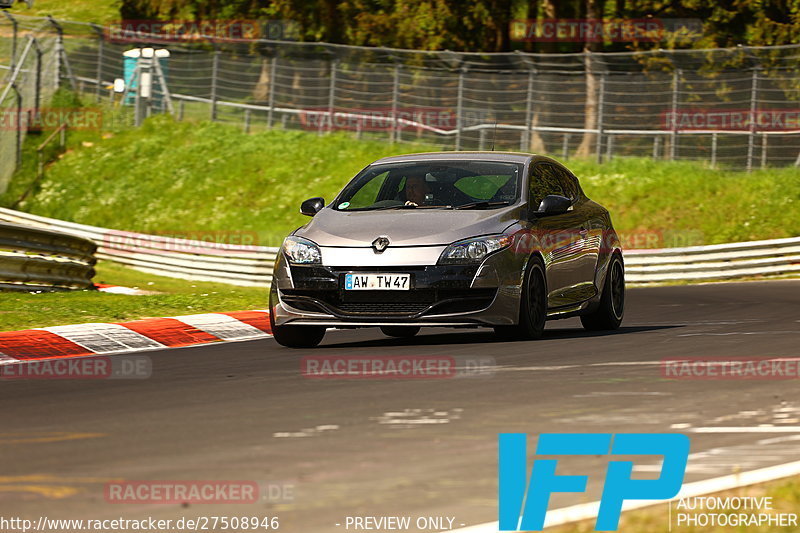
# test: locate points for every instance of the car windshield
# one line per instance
(432, 184)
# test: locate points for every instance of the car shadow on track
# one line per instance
(486, 336)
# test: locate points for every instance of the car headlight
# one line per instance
(301, 251)
(473, 250)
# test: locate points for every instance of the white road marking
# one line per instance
(307, 432)
(755, 429)
(604, 394)
(735, 333)
(417, 417)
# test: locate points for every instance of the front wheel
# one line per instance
(401, 332)
(296, 336)
(533, 306)
(608, 315)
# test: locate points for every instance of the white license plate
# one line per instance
(377, 282)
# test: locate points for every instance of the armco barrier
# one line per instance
(166, 256)
(252, 265)
(33, 259)
(714, 262)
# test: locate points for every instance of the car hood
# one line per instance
(405, 227)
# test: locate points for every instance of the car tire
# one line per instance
(608, 315)
(401, 332)
(296, 336)
(532, 308)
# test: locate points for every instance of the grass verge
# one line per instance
(185, 178)
(175, 297)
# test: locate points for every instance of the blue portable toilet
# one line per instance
(131, 58)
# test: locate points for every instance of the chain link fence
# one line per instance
(736, 108)
(29, 69)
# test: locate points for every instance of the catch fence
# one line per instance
(735, 107)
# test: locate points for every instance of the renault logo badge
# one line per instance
(380, 244)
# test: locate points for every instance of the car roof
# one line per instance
(506, 157)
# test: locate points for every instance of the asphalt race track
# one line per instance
(421, 447)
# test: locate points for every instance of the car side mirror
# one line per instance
(554, 204)
(312, 206)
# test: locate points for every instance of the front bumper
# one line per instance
(440, 295)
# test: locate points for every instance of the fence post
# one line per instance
(714, 150)
(57, 59)
(19, 123)
(656, 142)
(673, 138)
(565, 146)
(61, 56)
(148, 75)
(752, 135)
(273, 68)
(100, 54)
(247, 121)
(395, 125)
(459, 107)
(14, 31)
(331, 97)
(214, 75)
(38, 90)
(599, 123)
(610, 148)
(526, 136)
(137, 97)
(764, 150)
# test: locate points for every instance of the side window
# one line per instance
(544, 181)
(568, 182)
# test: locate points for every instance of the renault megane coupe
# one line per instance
(461, 239)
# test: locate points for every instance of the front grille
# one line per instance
(385, 308)
(390, 303)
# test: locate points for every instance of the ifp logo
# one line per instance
(520, 513)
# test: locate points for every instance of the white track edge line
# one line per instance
(585, 511)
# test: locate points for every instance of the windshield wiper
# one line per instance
(409, 206)
(480, 205)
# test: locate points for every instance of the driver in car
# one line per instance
(416, 190)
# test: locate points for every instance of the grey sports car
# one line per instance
(462, 239)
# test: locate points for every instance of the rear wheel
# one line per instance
(533, 306)
(400, 331)
(608, 315)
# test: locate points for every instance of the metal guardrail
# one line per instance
(252, 265)
(167, 256)
(714, 262)
(34, 259)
